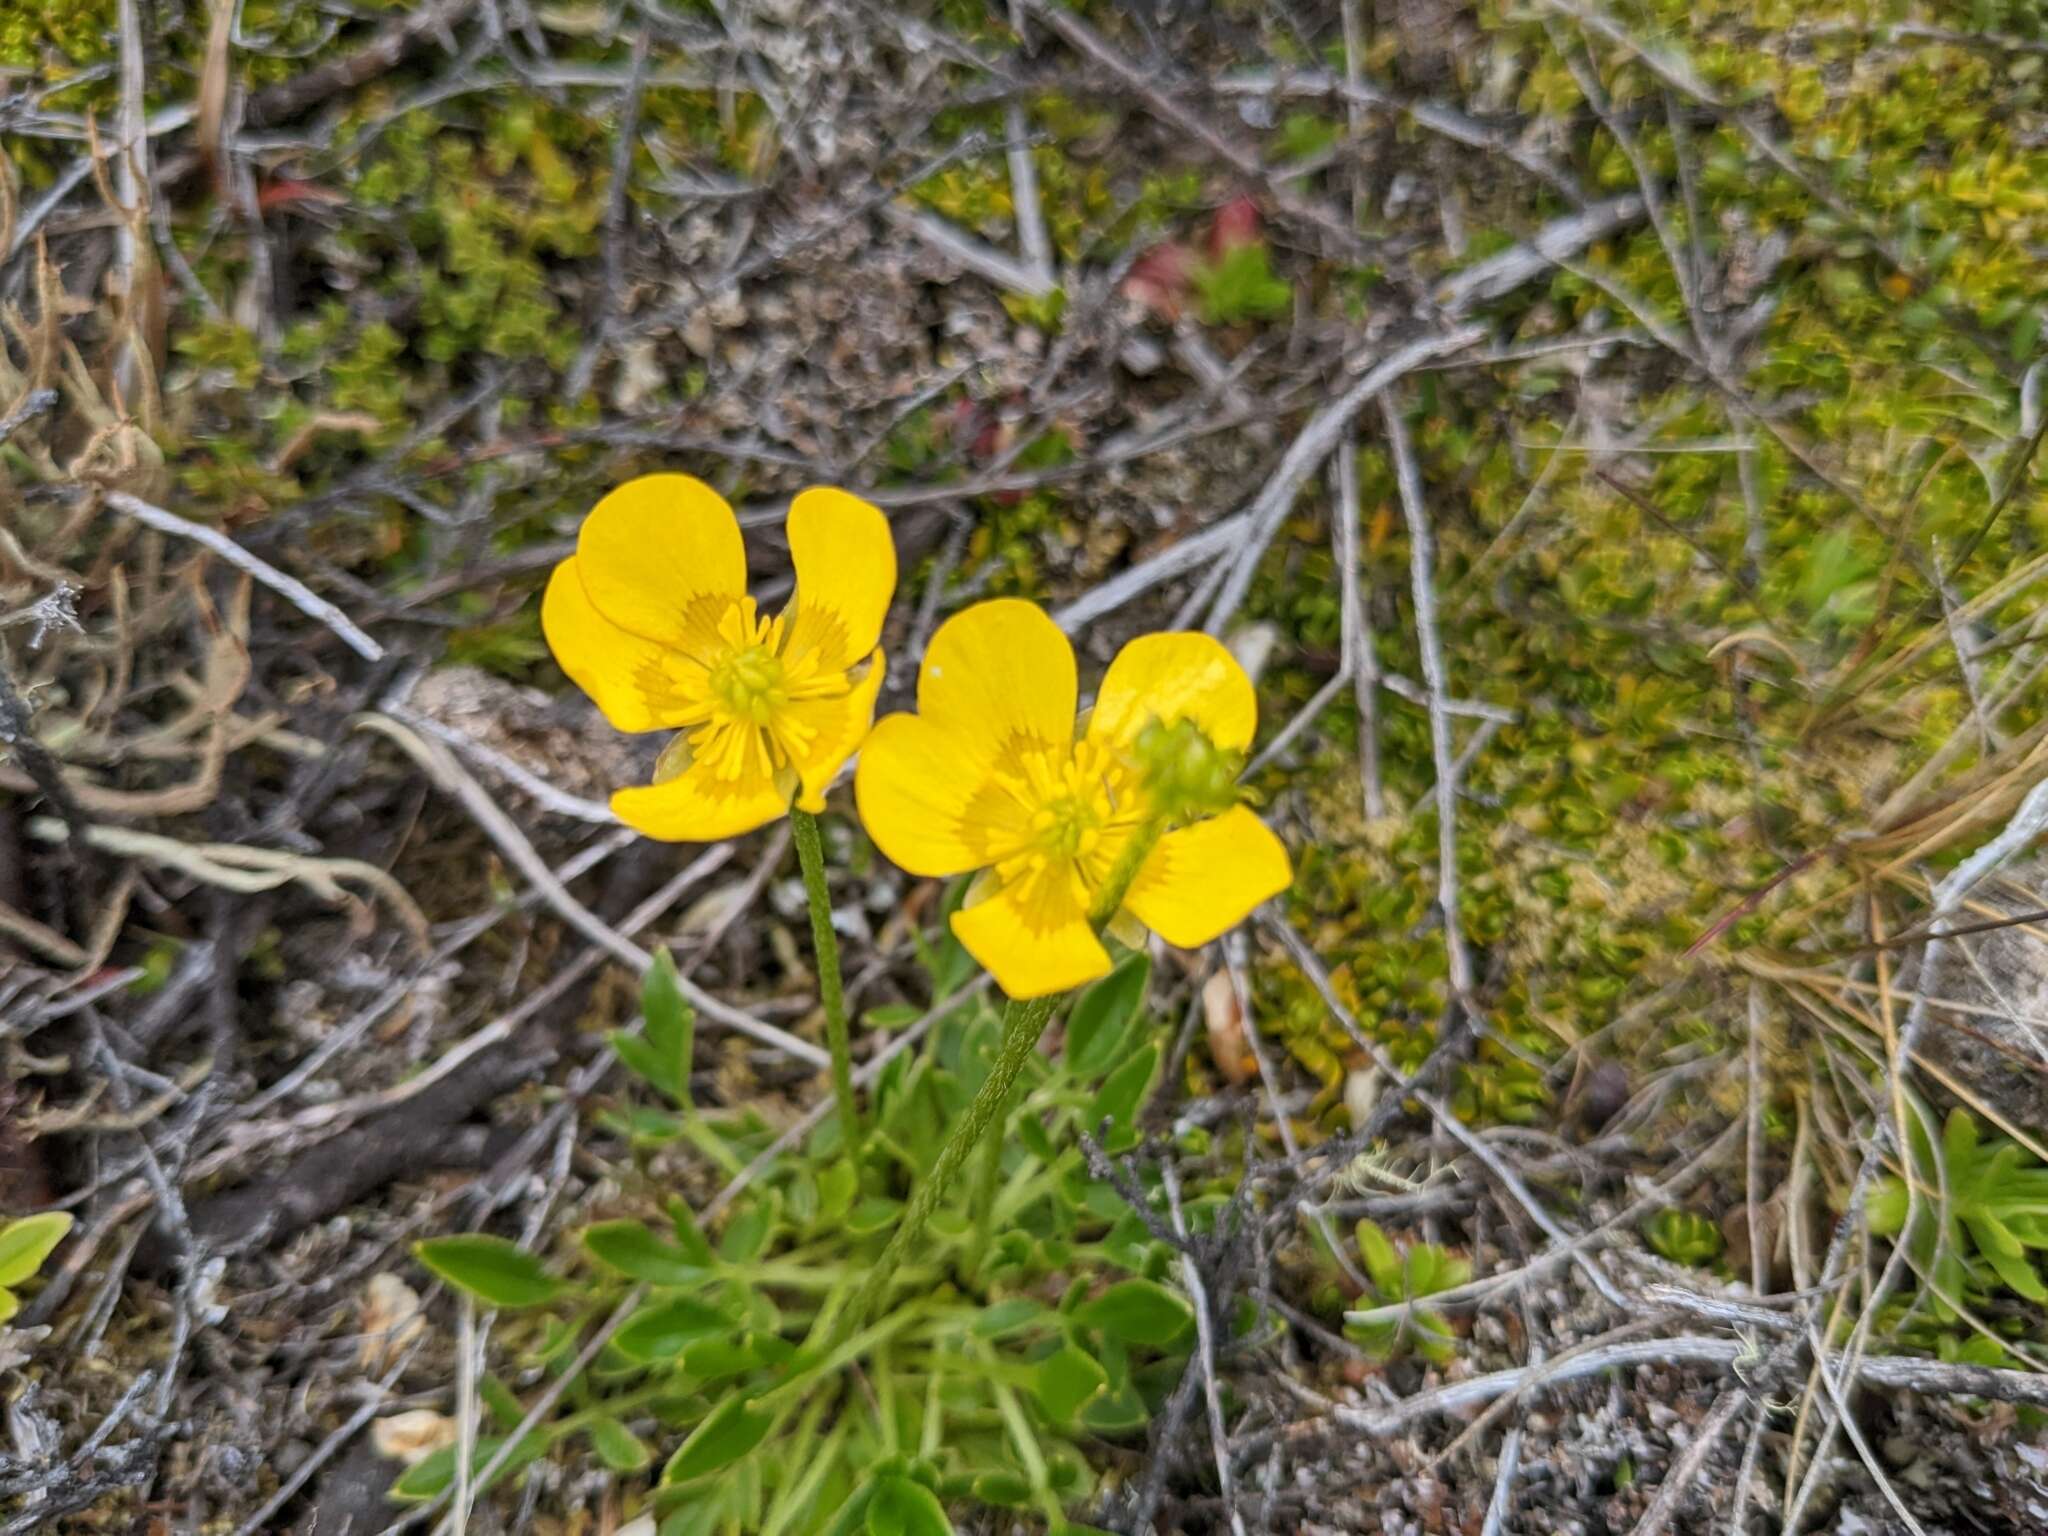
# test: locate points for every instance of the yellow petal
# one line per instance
(1033, 937)
(698, 807)
(1203, 880)
(840, 725)
(1000, 675)
(921, 791)
(661, 556)
(627, 677)
(845, 564)
(1171, 677)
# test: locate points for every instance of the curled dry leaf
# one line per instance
(413, 1436)
(391, 1320)
(1225, 1018)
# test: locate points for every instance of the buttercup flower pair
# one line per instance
(994, 773)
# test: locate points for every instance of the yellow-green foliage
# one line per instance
(55, 36)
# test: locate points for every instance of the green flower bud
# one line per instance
(1186, 774)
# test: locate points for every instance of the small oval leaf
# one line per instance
(1065, 1382)
(1138, 1312)
(733, 1429)
(638, 1254)
(1101, 1021)
(901, 1507)
(26, 1242)
(617, 1446)
(661, 1330)
(490, 1269)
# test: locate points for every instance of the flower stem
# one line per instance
(1023, 1023)
(810, 854)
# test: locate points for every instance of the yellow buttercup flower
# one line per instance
(989, 775)
(651, 618)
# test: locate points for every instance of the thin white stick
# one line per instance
(963, 250)
(560, 801)
(465, 1411)
(1421, 562)
(1679, 1480)
(1324, 430)
(1361, 655)
(1503, 1498)
(1030, 213)
(1197, 549)
(513, 843)
(290, 588)
(1191, 1277)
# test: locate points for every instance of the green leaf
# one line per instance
(1139, 1312)
(750, 1228)
(642, 1125)
(661, 1055)
(837, 1185)
(1433, 1267)
(636, 1253)
(1959, 1140)
(27, 1241)
(9, 1304)
(1116, 1413)
(1432, 1336)
(1886, 1206)
(1006, 1317)
(1030, 1130)
(872, 1215)
(1002, 1488)
(639, 1057)
(1102, 1018)
(901, 1507)
(1066, 1381)
(1241, 286)
(689, 1236)
(617, 1446)
(490, 1269)
(733, 1429)
(671, 1022)
(1378, 1337)
(2018, 1275)
(1992, 1237)
(1382, 1263)
(661, 1330)
(429, 1478)
(505, 1409)
(1124, 1091)
(852, 1513)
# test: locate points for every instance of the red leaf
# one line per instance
(1160, 278)
(1236, 223)
(286, 192)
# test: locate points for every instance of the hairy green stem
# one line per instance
(988, 1173)
(810, 854)
(1023, 1023)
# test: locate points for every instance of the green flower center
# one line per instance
(1068, 827)
(749, 683)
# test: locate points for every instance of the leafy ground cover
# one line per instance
(1609, 434)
